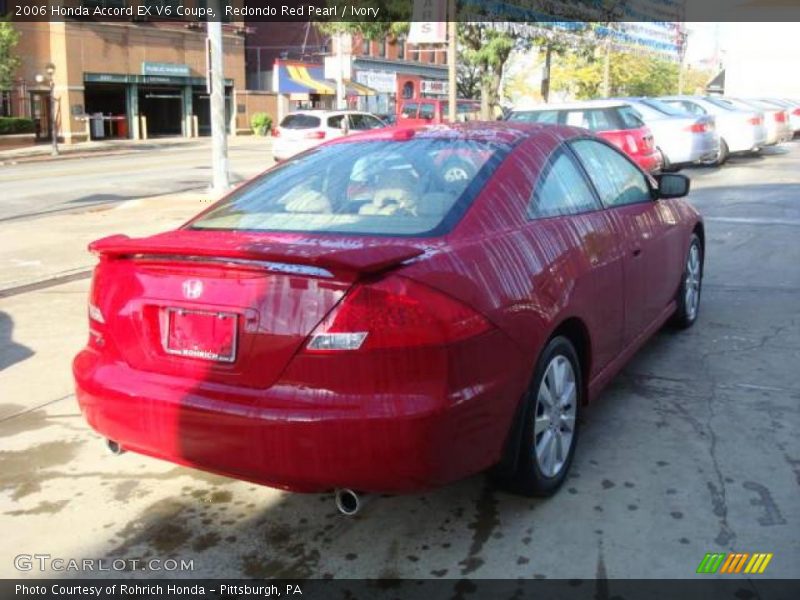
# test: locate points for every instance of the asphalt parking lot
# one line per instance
(692, 449)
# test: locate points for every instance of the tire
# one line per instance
(721, 158)
(541, 472)
(688, 298)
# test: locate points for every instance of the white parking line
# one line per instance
(749, 221)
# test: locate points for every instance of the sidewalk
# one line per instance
(41, 152)
(54, 247)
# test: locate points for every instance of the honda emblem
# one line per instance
(192, 289)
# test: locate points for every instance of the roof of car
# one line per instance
(574, 105)
(324, 112)
(500, 132)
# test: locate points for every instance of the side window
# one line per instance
(617, 180)
(409, 110)
(370, 122)
(426, 111)
(562, 190)
(335, 122)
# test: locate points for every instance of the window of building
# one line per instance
(366, 47)
(401, 49)
(383, 47)
(5, 103)
(408, 89)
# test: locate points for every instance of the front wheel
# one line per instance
(688, 298)
(550, 431)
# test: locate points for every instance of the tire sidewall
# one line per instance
(530, 478)
(683, 316)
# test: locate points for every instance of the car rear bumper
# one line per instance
(301, 439)
(649, 162)
(691, 148)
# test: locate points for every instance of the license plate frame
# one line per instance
(200, 354)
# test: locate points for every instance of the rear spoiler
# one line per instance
(231, 247)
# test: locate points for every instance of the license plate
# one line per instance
(201, 334)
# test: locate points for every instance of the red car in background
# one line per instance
(353, 319)
(430, 111)
(614, 121)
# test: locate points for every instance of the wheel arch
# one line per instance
(575, 330)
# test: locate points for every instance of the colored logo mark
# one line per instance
(734, 562)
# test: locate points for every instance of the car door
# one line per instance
(648, 227)
(568, 223)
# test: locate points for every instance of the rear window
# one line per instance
(400, 188)
(300, 122)
(630, 118)
(535, 116)
(663, 107)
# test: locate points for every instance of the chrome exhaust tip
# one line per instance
(349, 502)
(114, 447)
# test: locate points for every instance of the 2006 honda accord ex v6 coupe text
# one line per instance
(392, 311)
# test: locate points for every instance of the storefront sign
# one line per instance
(428, 86)
(169, 69)
(145, 79)
(383, 82)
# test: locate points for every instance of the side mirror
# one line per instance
(672, 185)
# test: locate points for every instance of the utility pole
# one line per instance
(219, 136)
(341, 100)
(452, 35)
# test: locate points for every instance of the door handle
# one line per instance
(636, 252)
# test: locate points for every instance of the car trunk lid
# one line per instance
(225, 307)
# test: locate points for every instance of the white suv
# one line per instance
(305, 129)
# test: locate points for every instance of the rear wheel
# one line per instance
(688, 298)
(550, 431)
(722, 155)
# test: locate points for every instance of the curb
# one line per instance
(77, 274)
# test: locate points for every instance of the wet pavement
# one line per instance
(692, 449)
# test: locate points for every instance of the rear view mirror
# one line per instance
(672, 185)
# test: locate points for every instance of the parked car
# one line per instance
(351, 320)
(739, 130)
(306, 129)
(431, 111)
(791, 107)
(612, 120)
(680, 137)
(776, 118)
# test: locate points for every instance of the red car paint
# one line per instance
(636, 143)
(419, 407)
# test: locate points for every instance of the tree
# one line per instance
(630, 74)
(9, 62)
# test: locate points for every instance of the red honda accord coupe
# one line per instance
(352, 318)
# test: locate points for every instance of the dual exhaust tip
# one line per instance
(348, 502)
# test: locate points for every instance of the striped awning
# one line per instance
(300, 78)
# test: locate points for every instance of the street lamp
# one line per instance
(50, 69)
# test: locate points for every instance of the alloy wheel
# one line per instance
(692, 282)
(556, 408)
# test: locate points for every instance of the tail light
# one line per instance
(276, 132)
(395, 313)
(796, 112)
(315, 135)
(754, 121)
(780, 117)
(698, 127)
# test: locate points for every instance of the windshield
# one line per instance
(722, 103)
(663, 107)
(415, 187)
